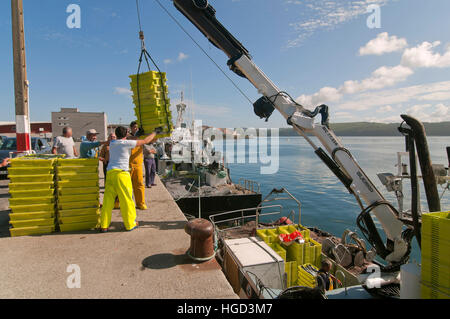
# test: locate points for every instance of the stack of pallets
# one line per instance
(32, 201)
(77, 194)
(150, 96)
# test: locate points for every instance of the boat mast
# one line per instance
(20, 78)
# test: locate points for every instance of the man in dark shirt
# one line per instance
(324, 277)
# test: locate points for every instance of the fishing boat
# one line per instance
(197, 176)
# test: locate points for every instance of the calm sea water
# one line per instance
(325, 201)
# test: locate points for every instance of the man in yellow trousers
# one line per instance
(137, 170)
(118, 180)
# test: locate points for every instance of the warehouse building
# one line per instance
(80, 122)
(38, 129)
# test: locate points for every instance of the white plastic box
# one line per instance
(254, 256)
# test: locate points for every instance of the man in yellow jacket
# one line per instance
(137, 170)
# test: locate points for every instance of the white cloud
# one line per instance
(326, 15)
(385, 76)
(182, 56)
(429, 113)
(326, 94)
(389, 119)
(372, 100)
(167, 61)
(385, 109)
(423, 56)
(382, 44)
(381, 78)
(122, 91)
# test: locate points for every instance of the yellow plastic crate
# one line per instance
(78, 212)
(150, 104)
(148, 75)
(289, 229)
(154, 121)
(79, 219)
(31, 200)
(77, 227)
(24, 194)
(68, 177)
(77, 169)
(305, 278)
(28, 216)
(78, 191)
(436, 251)
(279, 250)
(31, 178)
(430, 292)
(153, 96)
(437, 275)
(78, 198)
(32, 162)
(31, 208)
(30, 186)
(291, 270)
(75, 184)
(270, 235)
(147, 82)
(32, 222)
(158, 113)
(267, 236)
(29, 231)
(78, 162)
(18, 171)
(78, 205)
(151, 129)
(295, 252)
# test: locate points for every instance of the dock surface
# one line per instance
(148, 263)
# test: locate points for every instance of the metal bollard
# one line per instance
(202, 239)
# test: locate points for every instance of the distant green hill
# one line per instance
(376, 129)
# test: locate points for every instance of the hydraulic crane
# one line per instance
(396, 246)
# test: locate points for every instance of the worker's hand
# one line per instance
(5, 162)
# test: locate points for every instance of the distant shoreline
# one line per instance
(376, 129)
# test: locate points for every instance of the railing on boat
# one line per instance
(273, 196)
(250, 185)
(238, 222)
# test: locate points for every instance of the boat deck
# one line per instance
(147, 263)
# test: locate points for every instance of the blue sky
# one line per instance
(321, 51)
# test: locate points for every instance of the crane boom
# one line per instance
(333, 153)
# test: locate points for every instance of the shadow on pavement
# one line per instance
(165, 261)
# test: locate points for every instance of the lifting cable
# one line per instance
(204, 51)
(146, 55)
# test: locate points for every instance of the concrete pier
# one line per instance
(147, 263)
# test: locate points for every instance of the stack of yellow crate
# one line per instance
(150, 96)
(32, 201)
(295, 255)
(436, 256)
(307, 278)
(78, 194)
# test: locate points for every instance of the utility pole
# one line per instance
(20, 78)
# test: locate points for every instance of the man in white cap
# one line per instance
(88, 149)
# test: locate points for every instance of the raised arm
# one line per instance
(147, 140)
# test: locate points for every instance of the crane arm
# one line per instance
(332, 153)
